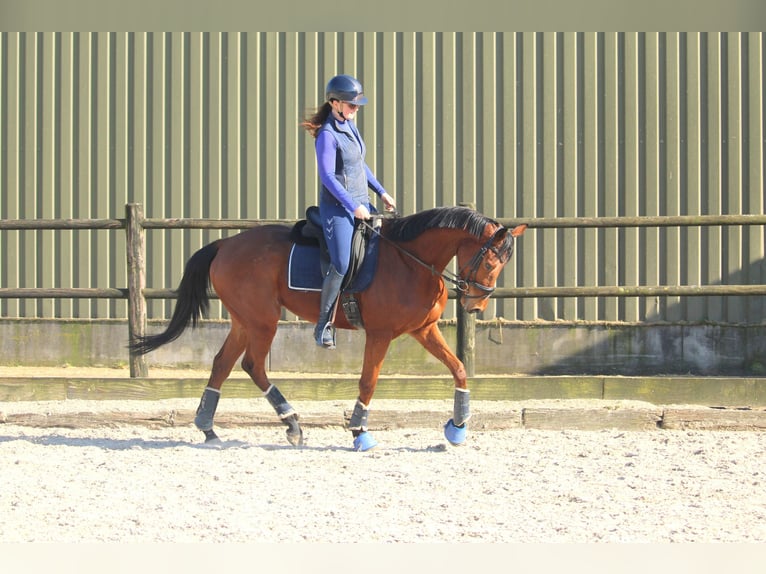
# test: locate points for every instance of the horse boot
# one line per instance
(324, 332)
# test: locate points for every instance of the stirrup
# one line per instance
(326, 336)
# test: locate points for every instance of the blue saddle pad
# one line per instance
(304, 272)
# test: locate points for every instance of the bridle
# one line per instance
(462, 285)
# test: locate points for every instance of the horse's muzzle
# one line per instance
(475, 303)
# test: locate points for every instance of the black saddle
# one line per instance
(309, 232)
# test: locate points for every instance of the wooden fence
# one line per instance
(137, 292)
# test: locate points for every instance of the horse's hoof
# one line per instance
(295, 438)
(364, 442)
(294, 430)
(211, 439)
(454, 434)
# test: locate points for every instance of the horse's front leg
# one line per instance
(375, 349)
(433, 341)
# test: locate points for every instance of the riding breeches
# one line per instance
(338, 229)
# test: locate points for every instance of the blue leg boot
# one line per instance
(363, 440)
(455, 429)
(206, 412)
(287, 414)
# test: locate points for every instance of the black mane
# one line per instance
(410, 227)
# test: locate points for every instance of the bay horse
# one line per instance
(406, 295)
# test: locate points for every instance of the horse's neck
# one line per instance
(437, 247)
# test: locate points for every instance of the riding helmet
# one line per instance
(346, 89)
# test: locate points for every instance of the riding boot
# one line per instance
(324, 332)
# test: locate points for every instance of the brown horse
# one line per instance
(407, 295)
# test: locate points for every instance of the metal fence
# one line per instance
(528, 126)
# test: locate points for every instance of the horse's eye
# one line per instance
(488, 266)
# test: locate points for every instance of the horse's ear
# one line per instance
(518, 230)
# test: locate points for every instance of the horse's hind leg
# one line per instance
(254, 364)
(222, 364)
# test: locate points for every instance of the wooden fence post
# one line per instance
(466, 329)
(466, 340)
(134, 227)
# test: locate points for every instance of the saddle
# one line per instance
(309, 232)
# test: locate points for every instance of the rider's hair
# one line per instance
(313, 123)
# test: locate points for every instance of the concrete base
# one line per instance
(502, 348)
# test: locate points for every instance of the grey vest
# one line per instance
(349, 162)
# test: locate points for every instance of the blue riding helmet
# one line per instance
(346, 89)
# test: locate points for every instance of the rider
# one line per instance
(345, 177)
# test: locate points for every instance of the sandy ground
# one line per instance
(134, 484)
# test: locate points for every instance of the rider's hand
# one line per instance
(362, 212)
(389, 202)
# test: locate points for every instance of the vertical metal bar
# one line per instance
(571, 174)
(611, 167)
(467, 107)
(510, 190)
(176, 190)
(67, 157)
(674, 171)
(449, 120)
(530, 207)
(590, 193)
(490, 148)
(633, 98)
(695, 306)
(10, 178)
(549, 105)
(102, 141)
(28, 143)
(292, 205)
(46, 168)
(734, 272)
(124, 150)
(388, 113)
(195, 135)
(714, 159)
(652, 195)
(409, 154)
(754, 235)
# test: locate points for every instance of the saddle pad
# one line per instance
(304, 272)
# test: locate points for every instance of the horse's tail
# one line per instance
(193, 301)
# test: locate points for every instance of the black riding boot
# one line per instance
(324, 332)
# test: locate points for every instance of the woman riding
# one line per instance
(345, 178)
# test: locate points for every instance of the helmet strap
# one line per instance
(340, 110)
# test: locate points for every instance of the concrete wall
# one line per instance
(502, 348)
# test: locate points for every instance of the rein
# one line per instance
(461, 285)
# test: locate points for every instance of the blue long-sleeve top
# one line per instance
(327, 150)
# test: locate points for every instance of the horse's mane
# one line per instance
(409, 227)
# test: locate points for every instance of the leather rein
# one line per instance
(461, 285)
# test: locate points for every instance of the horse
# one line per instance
(406, 295)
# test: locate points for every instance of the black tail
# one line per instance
(193, 301)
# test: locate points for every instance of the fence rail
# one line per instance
(137, 292)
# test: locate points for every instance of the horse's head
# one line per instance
(479, 269)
